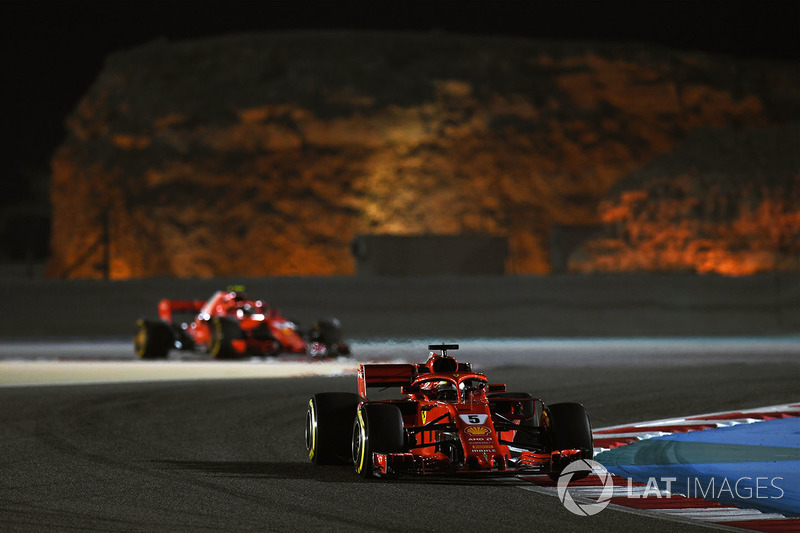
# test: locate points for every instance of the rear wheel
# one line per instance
(529, 412)
(329, 419)
(378, 428)
(570, 429)
(224, 331)
(153, 339)
(524, 408)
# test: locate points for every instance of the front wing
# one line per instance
(526, 462)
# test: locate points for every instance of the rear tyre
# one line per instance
(329, 419)
(378, 428)
(224, 331)
(524, 408)
(153, 339)
(570, 429)
(529, 409)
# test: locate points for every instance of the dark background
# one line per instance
(53, 51)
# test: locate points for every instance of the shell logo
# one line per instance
(477, 430)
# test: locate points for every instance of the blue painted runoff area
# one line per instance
(753, 466)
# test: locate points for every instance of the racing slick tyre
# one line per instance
(570, 429)
(329, 419)
(378, 428)
(224, 331)
(526, 406)
(528, 436)
(153, 339)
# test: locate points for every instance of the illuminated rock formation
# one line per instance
(266, 154)
(724, 202)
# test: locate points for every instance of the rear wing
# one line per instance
(166, 308)
(384, 375)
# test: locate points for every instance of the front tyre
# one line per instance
(378, 428)
(224, 331)
(153, 339)
(329, 418)
(570, 429)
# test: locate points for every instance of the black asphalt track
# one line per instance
(229, 454)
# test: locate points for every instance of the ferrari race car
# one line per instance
(449, 420)
(229, 324)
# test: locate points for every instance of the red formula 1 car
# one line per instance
(229, 324)
(449, 420)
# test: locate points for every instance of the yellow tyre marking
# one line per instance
(217, 344)
(313, 430)
(141, 339)
(363, 443)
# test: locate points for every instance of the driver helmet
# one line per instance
(445, 385)
(446, 390)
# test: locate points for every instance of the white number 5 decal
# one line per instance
(474, 419)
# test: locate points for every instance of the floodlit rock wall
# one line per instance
(259, 155)
(724, 202)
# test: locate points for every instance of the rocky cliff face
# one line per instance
(266, 154)
(722, 202)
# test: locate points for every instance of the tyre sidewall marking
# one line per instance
(313, 429)
(141, 338)
(216, 343)
(361, 429)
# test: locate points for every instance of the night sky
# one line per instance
(52, 51)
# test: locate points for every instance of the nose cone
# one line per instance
(485, 461)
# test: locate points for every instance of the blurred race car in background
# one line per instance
(448, 419)
(229, 324)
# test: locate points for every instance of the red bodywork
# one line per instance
(254, 318)
(465, 431)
